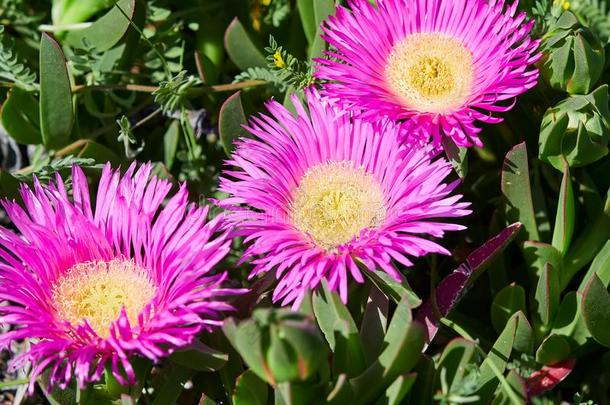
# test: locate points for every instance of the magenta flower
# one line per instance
(321, 192)
(438, 65)
(93, 288)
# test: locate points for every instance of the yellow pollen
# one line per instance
(97, 292)
(335, 201)
(430, 72)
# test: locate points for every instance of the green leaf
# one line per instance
(599, 267)
(404, 342)
(518, 396)
(342, 392)
(318, 46)
(538, 254)
(547, 294)
(552, 350)
(564, 220)
(308, 19)
(299, 394)
(200, 357)
(56, 114)
(569, 322)
(374, 324)
(340, 331)
(73, 11)
(595, 308)
(241, 47)
(170, 143)
(422, 391)
(247, 340)
(396, 392)
(457, 155)
(395, 290)
(456, 357)
(322, 9)
(517, 190)
(230, 121)
(108, 30)
(595, 234)
(250, 390)
(507, 302)
(21, 117)
(493, 366)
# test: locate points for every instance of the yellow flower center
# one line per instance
(335, 201)
(98, 291)
(430, 72)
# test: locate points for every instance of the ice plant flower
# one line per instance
(322, 192)
(92, 287)
(438, 65)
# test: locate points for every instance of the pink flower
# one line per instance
(319, 193)
(438, 65)
(91, 288)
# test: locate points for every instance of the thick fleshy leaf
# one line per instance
(403, 344)
(458, 156)
(457, 356)
(518, 391)
(554, 349)
(230, 121)
(569, 322)
(515, 333)
(241, 47)
(538, 254)
(586, 247)
(451, 289)
(340, 331)
(600, 267)
(547, 294)
(170, 143)
(517, 190)
(342, 392)
(108, 30)
(595, 308)
(250, 390)
(21, 117)
(396, 392)
(508, 301)
(308, 18)
(246, 339)
(395, 290)
(564, 220)
(56, 113)
(374, 324)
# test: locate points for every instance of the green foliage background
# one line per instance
(171, 82)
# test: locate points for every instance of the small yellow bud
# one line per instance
(278, 60)
(265, 2)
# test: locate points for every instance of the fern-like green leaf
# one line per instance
(595, 14)
(11, 69)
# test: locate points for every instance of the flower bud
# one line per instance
(290, 345)
(577, 128)
(573, 58)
